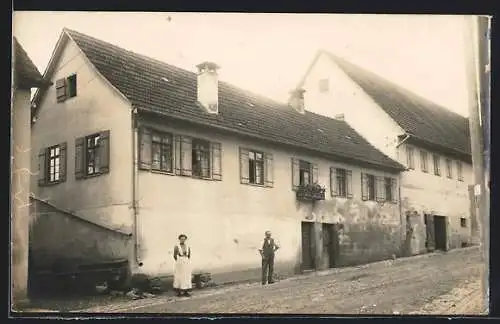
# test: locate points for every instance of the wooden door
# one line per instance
(429, 230)
(307, 246)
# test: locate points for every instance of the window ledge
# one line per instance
(159, 172)
(256, 185)
(50, 184)
(90, 176)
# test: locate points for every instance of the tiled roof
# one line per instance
(139, 79)
(26, 72)
(417, 116)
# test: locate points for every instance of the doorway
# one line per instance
(308, 246)
(429, 232)
(330, 245)
(440, 233)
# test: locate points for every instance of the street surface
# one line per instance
(441, 283)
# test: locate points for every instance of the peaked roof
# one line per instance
(419, 117)
(26, 73)
(142, 81)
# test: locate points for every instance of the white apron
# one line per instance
(182, 271)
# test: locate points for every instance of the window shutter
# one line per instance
(315, 176)
(62, 161)
(61, 90)
(348, 179)
(333, 182)
(104, 144)
(144, 149)
(42, 167)
(186, 156)
(177, 154)
(216, 161)
(244, 166)
(379, 189)
(395, 190)
(295, 173)
(269, 171)
(364, 186)
(79, 158)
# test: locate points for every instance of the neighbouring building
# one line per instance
(25, 76)
(431, 141)
(145, 147)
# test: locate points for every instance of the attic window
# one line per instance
(250, 104)
(66, 88)
(323, 86)
(164, 79)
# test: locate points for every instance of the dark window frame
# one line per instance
(45, 174)
(301, 167)
(164, 144)
(248, 169)
(341, 182)
(66, 88)
(436, 162)
(449, 168)
(460, 171)
(463, 222)
(410, 157)
(388, 189)
(424, 161)
(190, 149)
(200, 154)
(97, 152)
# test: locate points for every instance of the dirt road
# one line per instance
(443, 283)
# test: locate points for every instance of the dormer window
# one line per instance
(324, 86)
(66, 88)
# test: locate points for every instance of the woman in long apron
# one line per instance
(182, 270)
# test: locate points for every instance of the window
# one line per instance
(92, 155)
(200, 158)
(197, 158)
(390, 189)
(323, 85)
(52, 165)
(303, 173)
(437, 164)
(340, 182)
(460, 175)
(423, 161)
(156, 150)
(162, 151)
(368, 186)
(410, 161)
(66, 88)
(256, 167)
(449, 173)
(463, 222)
(379, 189)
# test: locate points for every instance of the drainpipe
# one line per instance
(401, 218)
(135, 209)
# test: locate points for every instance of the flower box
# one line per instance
(310, 192)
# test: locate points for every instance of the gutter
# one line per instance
(135, 209)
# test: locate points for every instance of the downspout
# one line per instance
(401, 219)
(134, 190)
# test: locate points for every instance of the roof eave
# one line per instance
(464, 155)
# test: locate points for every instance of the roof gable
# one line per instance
(154, 86)
(26, 73)
(419, 117)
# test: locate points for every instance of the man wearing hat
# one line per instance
(269, 247)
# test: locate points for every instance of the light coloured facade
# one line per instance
(223, 214)
(426, 190)
(25, 76)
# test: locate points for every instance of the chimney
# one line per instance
(339, 116)
(297, 100)
(208, 86)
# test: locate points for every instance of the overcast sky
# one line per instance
(269, 53)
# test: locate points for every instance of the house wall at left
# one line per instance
(104, 199)
(20, 187)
